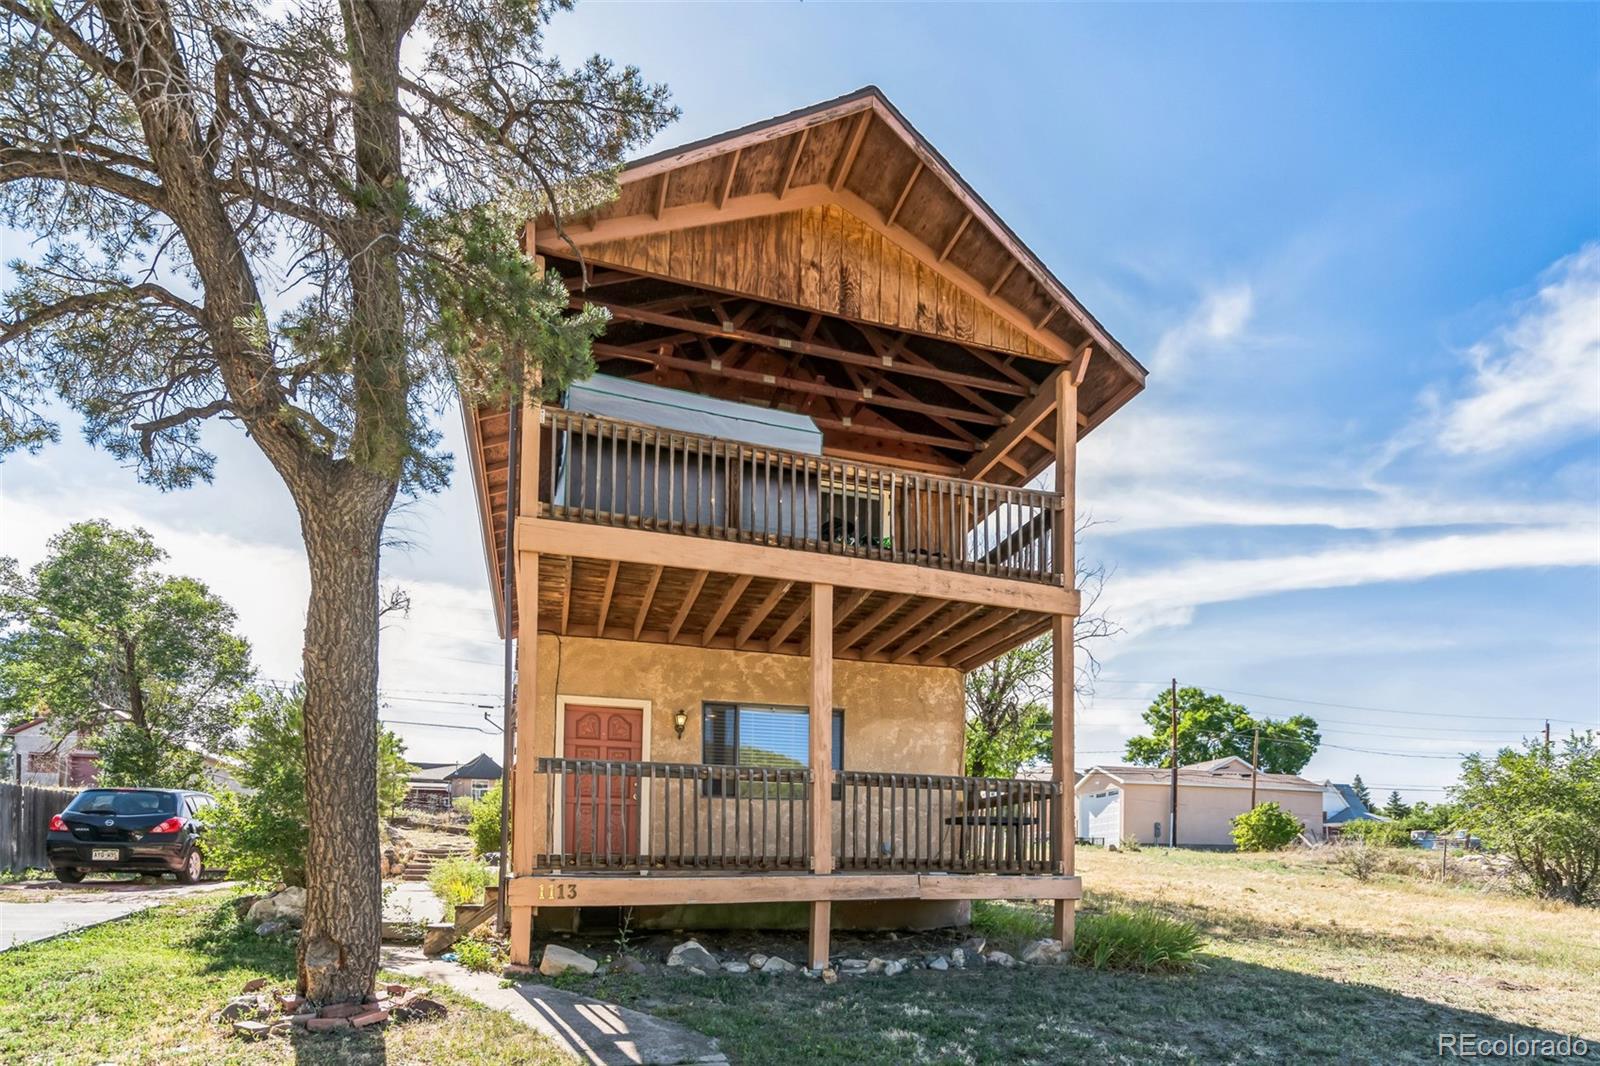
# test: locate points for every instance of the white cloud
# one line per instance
(1169, 597)
(444, 650)
(1174, 505)
(1536, 379)
(1221, 316)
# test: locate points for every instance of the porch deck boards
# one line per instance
(599, 889)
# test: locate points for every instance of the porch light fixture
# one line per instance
(680, 719)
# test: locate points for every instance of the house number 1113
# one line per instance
(562, 890)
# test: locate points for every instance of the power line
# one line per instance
(1158, 685)
(438, 725)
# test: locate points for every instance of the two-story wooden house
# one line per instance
(752, 559)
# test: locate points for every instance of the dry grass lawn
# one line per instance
(1509, 957)
(1303, 963)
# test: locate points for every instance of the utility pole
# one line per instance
(1547, 738)
(1172, 826)
(1255, 762)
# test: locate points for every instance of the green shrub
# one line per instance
(1266, 828)
(1541, 807)
(1377, 834)
(457, 881)
(260, 834)
(485, 815)
(1143, 940)
(479, 956)
(1129, 844)
(1002, 919)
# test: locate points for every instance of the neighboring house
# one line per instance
(753, 558)
(36, 756)
(1341, 806)
(1117, 803)
(438, 785)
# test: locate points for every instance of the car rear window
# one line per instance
(123, 801)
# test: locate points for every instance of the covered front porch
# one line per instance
(618, 802)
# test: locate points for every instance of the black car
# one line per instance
(139, 830)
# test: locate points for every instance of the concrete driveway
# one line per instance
(31, 911)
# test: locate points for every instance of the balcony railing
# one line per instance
(603, 815)
(928, 823)
(632, 816)
(609, 472)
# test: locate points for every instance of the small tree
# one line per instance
(1266, 828)
(1360, 789)
(1541, 807)
(1210, 727)
(1433, 817)
(1377, 834)
(145, 665)
(261, 834)
(485, 816)
(1396, 807)
(1008, 720)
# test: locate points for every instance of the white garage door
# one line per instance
(1100, 817)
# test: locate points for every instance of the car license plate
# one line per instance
(105, 855)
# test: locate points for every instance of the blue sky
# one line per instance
(1357, 246)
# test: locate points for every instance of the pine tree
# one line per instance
(1360, 789)
(1396, 807)
(299, 220)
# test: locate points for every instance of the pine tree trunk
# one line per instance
(339, 942)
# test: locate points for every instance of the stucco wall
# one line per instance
(904, 719)
(1206, 813)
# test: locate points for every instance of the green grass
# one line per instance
(1301, 963)
(142, 990)
(1139, 939)
(1005, 920)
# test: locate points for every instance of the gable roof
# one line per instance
(21, 727)
(481, 768)
(1354, 809)
(859, 153)
(1212, 766)
(1207, 774)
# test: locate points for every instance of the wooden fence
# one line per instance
(25, 812)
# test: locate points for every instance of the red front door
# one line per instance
(602, 810)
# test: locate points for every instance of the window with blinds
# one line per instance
(742, 734)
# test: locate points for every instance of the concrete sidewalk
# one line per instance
(80, 908)
(589, 1030)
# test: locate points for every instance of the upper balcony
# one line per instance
(602, 471)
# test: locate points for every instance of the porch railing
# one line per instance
(931, 823)
(603, 815)
(631, 816)
(609, 472)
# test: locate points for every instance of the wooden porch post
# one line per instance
(821, 764)
(527, 802)
(1062, 667)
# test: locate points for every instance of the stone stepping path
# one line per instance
(589, 1030)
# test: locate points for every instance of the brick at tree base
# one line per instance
(326, 1025)
(342, 1010)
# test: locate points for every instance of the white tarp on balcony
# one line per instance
(653, 405)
